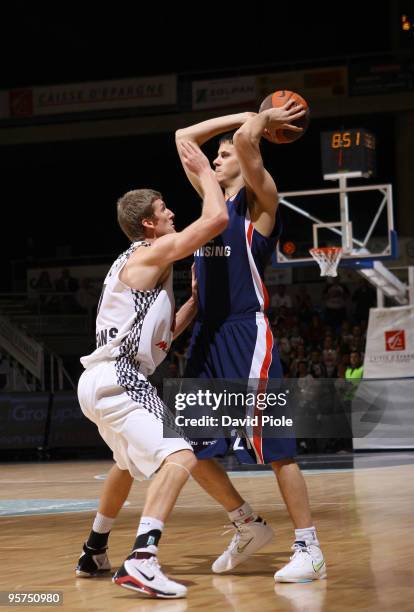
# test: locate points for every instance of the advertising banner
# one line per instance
(23, 420)
(390, 343)
(220, 93)
(151, 91)
(389, 360)
(317, 83)
(69, 428)
(368, 78)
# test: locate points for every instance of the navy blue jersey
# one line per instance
(230, 268)
(232, 337)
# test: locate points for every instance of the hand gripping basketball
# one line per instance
(288, 122)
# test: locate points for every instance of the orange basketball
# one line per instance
(279, 98)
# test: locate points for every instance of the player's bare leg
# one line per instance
(167, 484)
(213, 478)
(141, 571)
(307, 563)
(252, 532)
(94, 560)
(294, 492)
(115, 492)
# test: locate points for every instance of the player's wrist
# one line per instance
(207, 174)
(192, 302)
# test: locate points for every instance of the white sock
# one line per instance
(148, 523)
(102, 523)
(307, 535)
(243, 514)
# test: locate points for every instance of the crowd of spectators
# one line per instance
(65, 295)
(322, 338)
(320, 331)
(314, 339)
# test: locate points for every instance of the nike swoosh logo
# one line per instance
(240, 549)
(145, 576)
(318, 566)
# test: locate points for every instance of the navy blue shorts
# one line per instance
(240, 348)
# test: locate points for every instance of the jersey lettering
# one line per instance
(104, 335)
(238, 445)
(214, 251)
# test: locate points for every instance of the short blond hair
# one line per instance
(132, 208)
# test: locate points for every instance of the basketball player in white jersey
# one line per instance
(135, 326)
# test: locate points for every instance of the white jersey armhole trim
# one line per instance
(124, 285)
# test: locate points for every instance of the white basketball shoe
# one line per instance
(247, 540)
(145, 576)
(306, 564)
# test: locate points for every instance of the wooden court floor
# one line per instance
(364, 519)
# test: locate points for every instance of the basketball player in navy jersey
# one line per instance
(135, 325)
(232, 337)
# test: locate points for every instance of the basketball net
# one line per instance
(328, 259)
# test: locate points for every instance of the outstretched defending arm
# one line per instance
(212, 222)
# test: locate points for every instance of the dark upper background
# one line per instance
(71, 42)
(63, 194)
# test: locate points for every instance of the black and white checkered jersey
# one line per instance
(133, 328)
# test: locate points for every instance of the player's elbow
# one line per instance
(241, 137)
(245, 140)
(183, 134)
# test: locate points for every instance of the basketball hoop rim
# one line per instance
(326, 250)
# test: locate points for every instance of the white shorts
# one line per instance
(133, 433)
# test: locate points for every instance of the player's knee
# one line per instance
(281, 462)
(120, 470)
(186, 458)
(190, 460)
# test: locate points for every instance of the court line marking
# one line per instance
(232, 474)
(198, 506)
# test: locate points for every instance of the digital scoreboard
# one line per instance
(348, 151)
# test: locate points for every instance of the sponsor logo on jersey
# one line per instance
(163, 346)
(213, 250)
